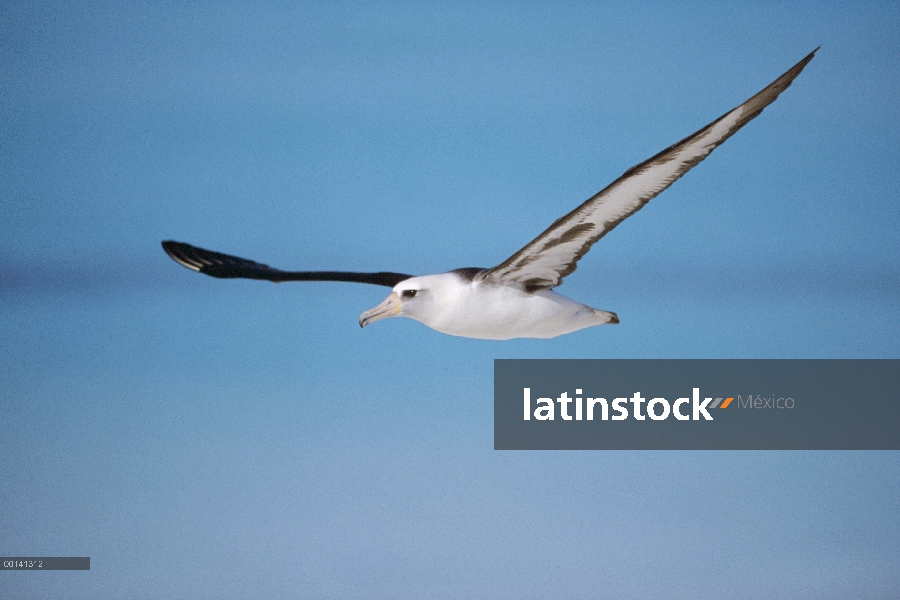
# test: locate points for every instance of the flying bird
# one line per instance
(515, 298)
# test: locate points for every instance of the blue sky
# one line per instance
(201, 438)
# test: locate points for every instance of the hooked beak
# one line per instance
(389, 308)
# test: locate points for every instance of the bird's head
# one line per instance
(404, 300)
(420, 298)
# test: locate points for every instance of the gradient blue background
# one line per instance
(200, 438)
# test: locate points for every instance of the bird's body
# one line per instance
(458, 304)
(516, 299)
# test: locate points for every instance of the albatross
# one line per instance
(515, 299)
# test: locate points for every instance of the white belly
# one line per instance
(500, 313)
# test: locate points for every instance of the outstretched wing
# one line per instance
(226, 266)
(548, 258)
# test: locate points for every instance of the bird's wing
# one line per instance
(552, 255)
(226, 266)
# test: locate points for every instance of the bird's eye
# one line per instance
(409, 293)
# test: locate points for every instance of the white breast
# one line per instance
(488, 311)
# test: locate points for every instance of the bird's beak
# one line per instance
(389, 308)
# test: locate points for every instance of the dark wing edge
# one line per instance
(551, 256)
(225, 266)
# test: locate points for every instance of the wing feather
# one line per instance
(546, 260)
(225, 266)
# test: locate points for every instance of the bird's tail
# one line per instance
(608, 318)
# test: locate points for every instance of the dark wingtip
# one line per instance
(808, 57)
(180, 253)
(613, 319)
(174, 249)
